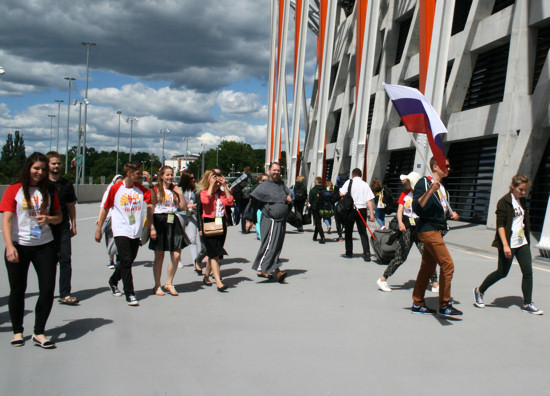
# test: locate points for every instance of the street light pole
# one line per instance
(70, 79)
(58, 101)
(131, 120)
(88, 45)
(164, 132)
(118, 141)
(203, 150)
(51, 129)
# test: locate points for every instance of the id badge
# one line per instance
(521, 234)
(132, 219)
(170, 218)
(411, 221)
(36, 232)
(218, 220)
(381, 204)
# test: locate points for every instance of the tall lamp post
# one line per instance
(88, 45)
(51, 129)
(164, 132)
(58, 101)
(203, 152)
(131, 120)
(118, 141)
(217, 155)
(70, 79)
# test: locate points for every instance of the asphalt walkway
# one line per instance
(328, 330)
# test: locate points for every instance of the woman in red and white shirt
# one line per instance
(215, 196)
(167, 232)
(29, 207)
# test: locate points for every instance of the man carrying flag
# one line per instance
(430, 200)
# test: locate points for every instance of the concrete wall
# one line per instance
(86, 192)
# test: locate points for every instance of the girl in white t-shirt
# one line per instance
(167, 232)
(29, 207)
(512, 240)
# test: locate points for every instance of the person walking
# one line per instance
(300, 197)
(166, 230)
(430, 203)
(314, 200)
(273, 198)
(28, 209)
(106, 229)
(512, 239)
(66, 229)
(188, 185)
(214, 198)
(407, 235)
(362, 199)
(128, 199)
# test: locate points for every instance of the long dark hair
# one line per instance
(43, 185)
(160, 186)
(187, 182)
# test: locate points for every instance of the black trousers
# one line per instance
(44, 260)
(127, 251)
(318, 225)
(63, 244)
(361, 229)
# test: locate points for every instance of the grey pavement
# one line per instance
(328, 330)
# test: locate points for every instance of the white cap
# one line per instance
(413, 178)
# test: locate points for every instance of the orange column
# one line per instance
(427, 14)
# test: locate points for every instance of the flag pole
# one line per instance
(430, 173)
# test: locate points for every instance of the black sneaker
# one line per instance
(422, 309)
(114, 290)
(449, 311)
(132, 300)
(366, 257)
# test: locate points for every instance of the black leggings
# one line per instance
(44, 260)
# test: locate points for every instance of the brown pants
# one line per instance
(435, 252)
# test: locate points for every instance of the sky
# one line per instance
(198, 68)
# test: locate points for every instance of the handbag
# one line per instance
(212, 229)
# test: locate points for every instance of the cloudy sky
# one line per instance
(198, 68)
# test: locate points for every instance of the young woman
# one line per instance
(512, 240)
(406, 219)
(167, 233)
(214, 196)
(29, 207)
(379, 205)
(187, 184)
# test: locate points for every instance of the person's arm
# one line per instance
(100, 221)
(423, 200)
(182, 202)
(11, 251)
(400, 209)
(505, 245)
(150, 221)
(370, 204)
(72, 215)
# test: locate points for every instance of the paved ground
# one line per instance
(327, 331)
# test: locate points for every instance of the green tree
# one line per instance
(13, 158)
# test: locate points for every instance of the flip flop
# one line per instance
(68, 300)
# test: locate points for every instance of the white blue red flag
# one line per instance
(419, 116)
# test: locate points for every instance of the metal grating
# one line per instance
(401, 163)
(471, 176)
(488, 78)
(402, 38)
(543, 43)
(540, 192)
(371, 112)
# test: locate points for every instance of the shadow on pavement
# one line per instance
(89, 293)
(506, 302)
(408, 285)
(76, 329)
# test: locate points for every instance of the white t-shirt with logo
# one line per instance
(518, 234)
(406, 199)
(129, 209)
(168, 204)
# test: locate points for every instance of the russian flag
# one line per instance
(419, 116)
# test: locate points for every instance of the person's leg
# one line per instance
(443, 257)
(44, 261)
(427, 268)
(65, 269)
(523, 255)
(362, 230)
(404, 244)
(380, 216)
(192, 234)
(127, 251)
(318, 226)
(504, 265)
(215, 265)
(350, 221)
(17, 277)
(157, 269)
(172, 266)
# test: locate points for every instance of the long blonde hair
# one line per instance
(204, 182)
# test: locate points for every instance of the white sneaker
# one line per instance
(180, 265)
(435, 289)
(383, 285)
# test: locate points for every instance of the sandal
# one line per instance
(198, 268)
(171, 290)
(264, 275)
(158, 291)
(281, 276)
(68, 300)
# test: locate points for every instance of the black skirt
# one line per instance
(214, 244)
(170, 236)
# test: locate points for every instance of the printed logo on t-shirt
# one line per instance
(130, 202)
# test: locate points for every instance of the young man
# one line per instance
(64, 231)
(128, 198)
(430, 203)
(362, 198)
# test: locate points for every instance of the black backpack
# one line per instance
(345, 206)
(300, 195)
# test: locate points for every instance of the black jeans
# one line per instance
(127, 251)
(318, 225)
(63, 244)
(44, 260)
(361, 229)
